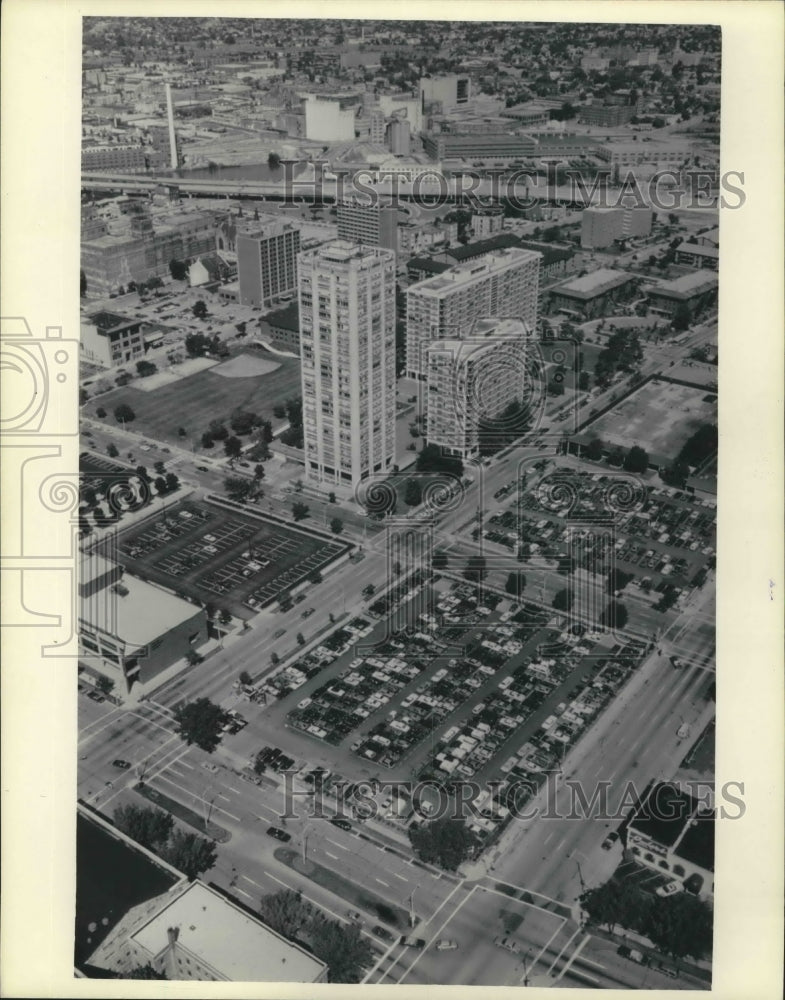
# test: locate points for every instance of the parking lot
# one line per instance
(245, 562)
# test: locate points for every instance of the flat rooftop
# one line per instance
(221, 935)
(594, 283)
(340, 251)
(466, 273)
(696, 281)
(663, 814)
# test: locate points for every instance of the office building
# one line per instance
(698, 255)
(501, 283)
(372, 225)
(473, 379)
(108, 339)
(267, 263)
(600, 227)
(493, 147)
(487, 221)
(123, 159)
(445, 93)
(398, 137)
(193, 932)
(329, 120)
(606, 115)
(696, 290)
(347, 349)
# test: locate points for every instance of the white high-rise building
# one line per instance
(472, 379)
(347, 347)
(502, 283)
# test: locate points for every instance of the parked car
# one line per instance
(279, 633)
(355, 915)
(412, 942)
(282, 835)
(308, 612)
(508, 944)
(382, 932)
(610, 840)
(670, 889)
(202, 468)
(683, 731)
(342, 824)
(123, 765)
(446, 945)
(209, 766)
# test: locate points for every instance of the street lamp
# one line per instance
(412, 915)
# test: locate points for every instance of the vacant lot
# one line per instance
(659, 417)
(194, 401)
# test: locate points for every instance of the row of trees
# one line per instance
(679, 925)
(155, 829)
(446, 842)
(343, 948)
(636, 459)
(623, 353)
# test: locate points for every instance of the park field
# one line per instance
(194, 401)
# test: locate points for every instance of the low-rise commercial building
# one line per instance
(697, 291)
(673, 834)
(131, 630)
(700, 255)
(591, 294)
(490, 147)
(109, 339)
(194, 932)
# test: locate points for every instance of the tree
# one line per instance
(104, 684)
(617, 580)
(243, 421)
(160, 485)
(147, 826)
(141, 471)
(100, 412)
(111, 451)
(233, 447)
(172, 482)
(315, 576)
(199, 309)
(200, 722)
(273, 161)
(594, 450)
(336, 525)
(245, 678)
(286, 912)
(275, 659)
(193, 658)
(614, 902)
(432, 459)
(299, 510)
(258, 472)
(237, 488)
(563, 599)
(159, 467)
(345, 950)
(412, 496)
(123, 414)
(615, 615)
(682, 317)
(680, 925)
(190, 853)
(516, 583)
(300, 639)
(445, 842)
(144, 972)
(178, 270)
(225, 616)
(279, 411)
(146, 368)
(637, 460)
(476, 569)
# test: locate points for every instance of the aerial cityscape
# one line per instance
(398, 501)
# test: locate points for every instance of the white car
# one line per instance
(670, 889)
(683, 731)
(445, 945)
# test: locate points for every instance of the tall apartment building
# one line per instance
(502, 283)
(398, 137)
(267, 262)
(474, 379)
(347, 349)
(371, 225)
(601, 226)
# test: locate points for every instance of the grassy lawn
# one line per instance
(194, 401)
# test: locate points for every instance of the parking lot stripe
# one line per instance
(401, 877)
(385, 884)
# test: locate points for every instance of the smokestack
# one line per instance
(173, 158)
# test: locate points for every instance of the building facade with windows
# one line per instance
(473, 379)
(372, 225)
(109, 339)
(267, 263)
(500, 283)
(347, 349)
